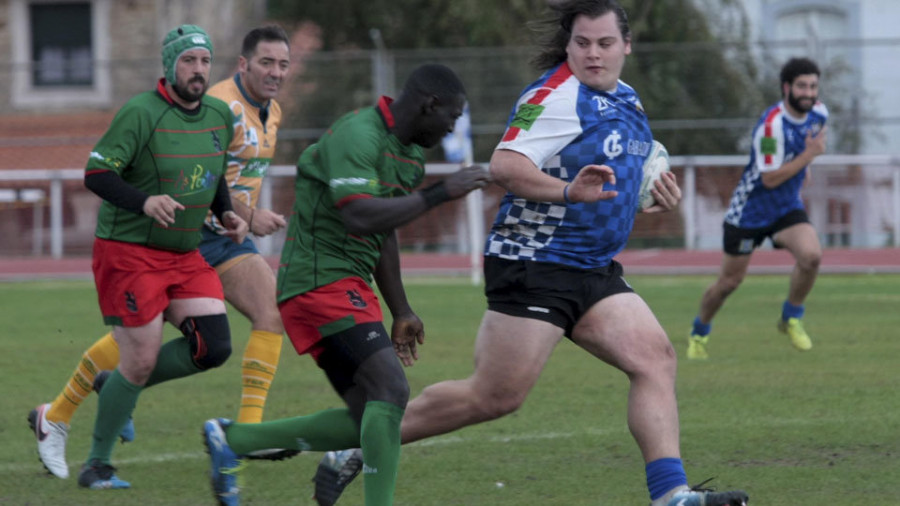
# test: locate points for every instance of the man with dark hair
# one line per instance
(247, 279)
(571, 161)
(159, 169)
(354, 187)
(766, 204)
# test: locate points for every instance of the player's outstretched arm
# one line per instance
(520, 176)
(466, 179)
(374, 215)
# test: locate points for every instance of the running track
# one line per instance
(652, 261)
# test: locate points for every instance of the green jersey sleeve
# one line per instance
(123, 140)
(351, 155)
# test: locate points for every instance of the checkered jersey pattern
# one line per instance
(777, 139)
(562, 125)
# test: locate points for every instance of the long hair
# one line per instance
(555, 31)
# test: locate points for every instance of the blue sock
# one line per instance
(664, 475)
(701, 329)
(789, 310)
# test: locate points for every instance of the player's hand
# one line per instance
(266, 222)
(407, 332)
(666, 193)
(466, 179)
(815, 144)
(588, 184)
(235, 226)
(162, 209)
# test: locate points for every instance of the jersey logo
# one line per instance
(745, 246)
(351, 181)
(611, 146)
(602, 102)
(131, 302)
(97, 156)
(198, 181)
(356, 299)
(768, 146)
(256, 167)
(216, 143)
(526, 115)
(251, 138)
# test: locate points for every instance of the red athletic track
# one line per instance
(654, 261)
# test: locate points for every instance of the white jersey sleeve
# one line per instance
(768, 142)
(541, 130)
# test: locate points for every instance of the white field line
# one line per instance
(445, 440)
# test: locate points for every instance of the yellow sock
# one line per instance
(102, 355)
(257, 371)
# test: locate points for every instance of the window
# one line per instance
(60, 53)
(812, 28)
(61, 44)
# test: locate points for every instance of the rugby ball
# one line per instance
(657, 162)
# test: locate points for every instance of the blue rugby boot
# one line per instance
(224, 463)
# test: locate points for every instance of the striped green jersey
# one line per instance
(356, 158)
(163, 149)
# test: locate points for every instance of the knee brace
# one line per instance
(210, 339)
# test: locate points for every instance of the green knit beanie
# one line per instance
(179, 40)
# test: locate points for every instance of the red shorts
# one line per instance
(135, 283)
(329, 309)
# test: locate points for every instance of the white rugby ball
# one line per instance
(657, 162)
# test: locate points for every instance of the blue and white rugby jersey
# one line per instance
(562, 125)
(777, 139)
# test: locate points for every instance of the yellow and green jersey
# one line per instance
(253, 146)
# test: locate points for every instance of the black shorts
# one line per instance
(742, 241)
(553, 293)
(343, 352)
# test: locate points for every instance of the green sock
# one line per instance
(380, 442)
(332, 429)
(174, 361)
(114, 407)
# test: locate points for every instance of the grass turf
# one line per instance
(815, 428)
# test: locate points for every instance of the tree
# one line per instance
(682, 66)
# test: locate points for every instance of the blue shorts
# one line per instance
(218, 249)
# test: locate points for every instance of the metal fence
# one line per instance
(854, 201)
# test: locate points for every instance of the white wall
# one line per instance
(875, 62)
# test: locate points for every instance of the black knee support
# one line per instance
(210, 339)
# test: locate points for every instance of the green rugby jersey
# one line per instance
(160, 148)
(356, 158)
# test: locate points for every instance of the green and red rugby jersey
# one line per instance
(358, 157)
(160, 148)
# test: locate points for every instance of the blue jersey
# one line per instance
(777, 139)
(562, 125)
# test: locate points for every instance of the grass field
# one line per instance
(821, 427)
